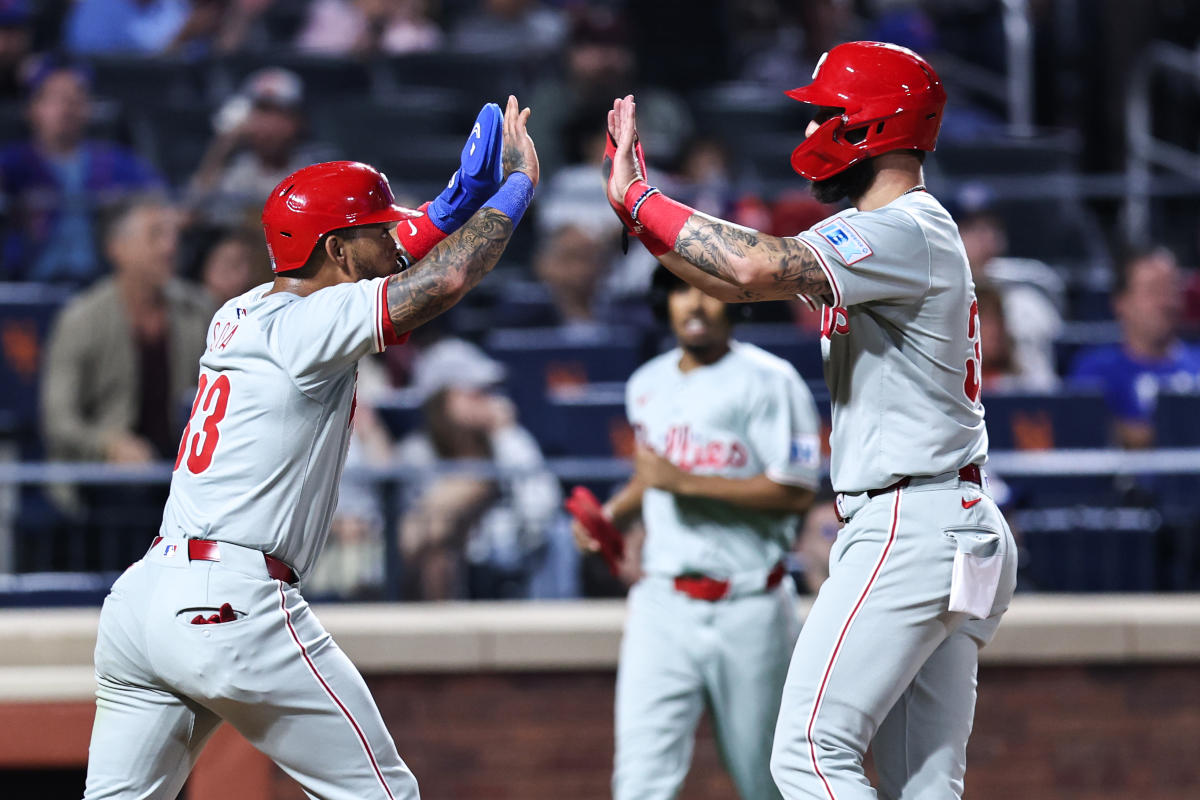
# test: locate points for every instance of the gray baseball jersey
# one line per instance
(747, 414)
(921, 574)
(261, 458)
(257, 472)
(901, 344)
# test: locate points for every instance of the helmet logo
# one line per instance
(820, 61)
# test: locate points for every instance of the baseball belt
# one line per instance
(208, 550)
(702, 587)
(970, 473)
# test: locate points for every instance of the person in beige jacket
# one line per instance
(121, 361)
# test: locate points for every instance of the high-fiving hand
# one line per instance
(519, 152)
(622, 127)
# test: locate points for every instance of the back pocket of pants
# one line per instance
(978, 565)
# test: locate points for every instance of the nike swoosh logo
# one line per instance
(412, 228)
(969, 503)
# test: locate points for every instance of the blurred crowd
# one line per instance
(138, 139)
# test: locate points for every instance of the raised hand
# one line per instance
(622, 127)
(519, 154)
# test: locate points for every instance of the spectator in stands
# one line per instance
(1148, 301)
(56, 183)
(122, 356)
(259, 142)
(1031, 291)
(233, 266)
(152, 27)
(464, 534)
(120, 365)
(363, 27)
(15, 40)
(505, 27)
(570, 264)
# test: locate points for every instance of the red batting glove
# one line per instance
(585, 508)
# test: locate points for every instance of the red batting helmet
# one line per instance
(315, 200)
(891, 99)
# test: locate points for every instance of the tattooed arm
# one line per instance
(729, 262)
(451, 269)
(460, 261)
(755, 265)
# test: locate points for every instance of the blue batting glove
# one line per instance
(479, 176)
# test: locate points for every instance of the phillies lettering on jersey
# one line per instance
(745, 415)
(690, 452)
(901, 344)
(834, 320)
(262, 454)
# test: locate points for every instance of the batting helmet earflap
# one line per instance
(315, 200)
(890, 99)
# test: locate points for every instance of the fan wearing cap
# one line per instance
(466, 535)
(260, 139)
(211, 625)
(924, 565)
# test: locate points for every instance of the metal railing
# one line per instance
(1145, 152)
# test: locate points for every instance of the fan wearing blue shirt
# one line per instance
(1148, 303)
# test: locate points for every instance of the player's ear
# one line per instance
(335, 249)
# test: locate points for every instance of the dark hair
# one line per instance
(1131, 256)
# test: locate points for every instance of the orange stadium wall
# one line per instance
(1052, 720)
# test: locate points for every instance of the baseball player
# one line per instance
(729, 454)
(925, 564)
(210, 625)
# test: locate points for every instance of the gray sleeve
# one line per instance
(875, 256)
(322, 334)
(785, 432)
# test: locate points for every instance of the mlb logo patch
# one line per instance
(170, 550)
(805, 451)
(845, 240)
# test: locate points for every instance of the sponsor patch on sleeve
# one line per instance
(805, 451)
(845, 240)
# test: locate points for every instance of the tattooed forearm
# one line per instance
(761, 267)
(512, 159)
(451, 269)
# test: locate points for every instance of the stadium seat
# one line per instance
(26, 313)
(542, 361)
(1177, 419)
(1017, 155)
(324, 77)
(589, 421)
(139, 81)
(173, 138)
(480, 78)
(1082, 549)
(1046, 421)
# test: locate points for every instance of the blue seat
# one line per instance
(588, 422)
(26, 313)
(543, 361)
(1085, 549)
(1044, 421)
(1177, 419)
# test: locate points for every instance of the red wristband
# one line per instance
(656, 246)
(419, 235)
(655, 213)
